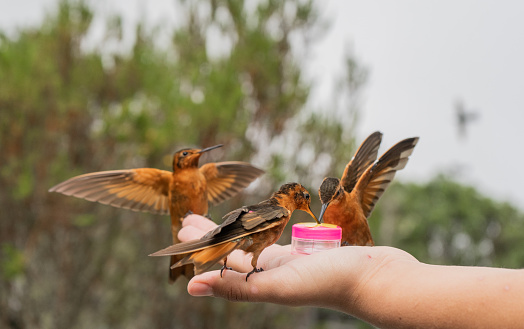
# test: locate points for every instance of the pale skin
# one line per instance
(384, 286)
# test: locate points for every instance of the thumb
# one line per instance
(260, 287)
(231, 286)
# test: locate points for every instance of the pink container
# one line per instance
(308, 238)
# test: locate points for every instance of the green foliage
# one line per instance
(69, 107)
(84, 220)
(445, 222)
(12, 263)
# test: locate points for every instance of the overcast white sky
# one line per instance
(423, 56)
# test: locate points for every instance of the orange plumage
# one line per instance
(348, 202)
(188, 189)
(251, 228)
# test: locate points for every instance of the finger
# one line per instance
(200, 222)
(190, 233)
(280, 285)
(273, 256)
(232, 286)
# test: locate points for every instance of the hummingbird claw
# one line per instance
(255, 270)
(224, 267)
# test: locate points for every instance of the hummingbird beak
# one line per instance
(312, 214)
(209, 148)
(322, 211)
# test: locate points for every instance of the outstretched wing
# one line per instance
(226, 179)
(377, 178)
(363, 158)
(143, 189)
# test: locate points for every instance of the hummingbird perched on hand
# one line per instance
(188, 189)
(250, 228)
(348, 202)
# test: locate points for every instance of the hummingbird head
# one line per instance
(188, 158)
(329, 190)
(295, 195)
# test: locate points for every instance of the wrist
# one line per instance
(379, 269)
(341, 276)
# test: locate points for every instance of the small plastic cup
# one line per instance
(308, 238)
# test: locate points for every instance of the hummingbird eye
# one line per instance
(306, 196)
(185, 153)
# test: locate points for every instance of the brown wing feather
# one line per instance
(364, 157)
(196, 245)
(229, 219)
(257, 218)
(226, 179)
(238, 223)
(377, 178)
(249, 219)
(206, 258)
(143, 189)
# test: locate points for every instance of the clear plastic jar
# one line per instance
(308, 238)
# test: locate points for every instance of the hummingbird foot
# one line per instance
(255, 270)
(224, 267)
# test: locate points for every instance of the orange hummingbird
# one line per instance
(250, 228)
(188, 189)
(348, 202)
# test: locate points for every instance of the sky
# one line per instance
(423, 57)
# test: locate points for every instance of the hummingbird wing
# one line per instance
(143, 189)
(377, 178)
(226, 179)
(237, 224)
(249, 218)
(363, 158)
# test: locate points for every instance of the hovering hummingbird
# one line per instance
(188, 189)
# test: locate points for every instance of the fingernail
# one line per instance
(198, 289)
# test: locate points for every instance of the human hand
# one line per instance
(381, 285)
(329, 279)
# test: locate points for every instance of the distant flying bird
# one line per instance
(348, 202)
(464, 118)
(188, 189)
(251, 229)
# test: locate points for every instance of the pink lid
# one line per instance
(316, 231)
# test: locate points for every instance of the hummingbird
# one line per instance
(187, 189)
(249, 228)
(349, 201)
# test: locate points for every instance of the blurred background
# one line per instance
(291, 87)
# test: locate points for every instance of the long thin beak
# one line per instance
(322, 211)
(210, 148)
(312, 215)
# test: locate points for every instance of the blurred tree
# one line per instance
(67, 109)
(444, 222)
(230, 74)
